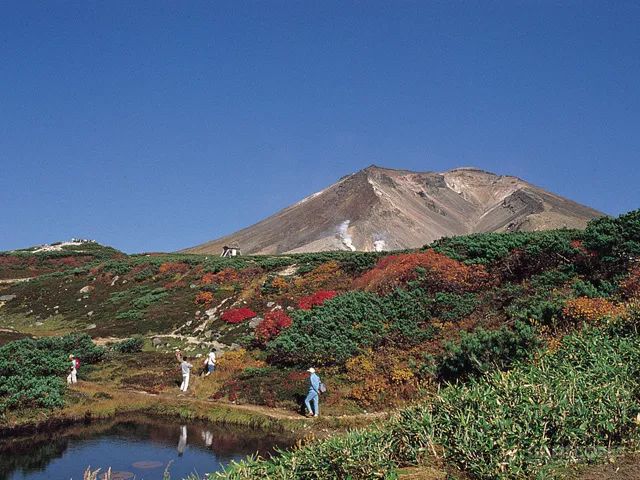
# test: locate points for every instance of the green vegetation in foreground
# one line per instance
(32, 372)
(500, 426)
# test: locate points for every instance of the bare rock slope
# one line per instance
(384, 209)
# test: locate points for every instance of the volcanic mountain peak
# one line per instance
(386, 209)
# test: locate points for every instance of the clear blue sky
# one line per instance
(153, 126)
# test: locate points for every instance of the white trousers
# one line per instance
(72, 377)
(185, 382)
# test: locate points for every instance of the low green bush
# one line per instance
(616, 240)
(485, 248)
(32, 372)
(452, 306)
(349, 324)
(481, 351)
(130, 345)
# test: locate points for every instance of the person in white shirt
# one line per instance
(73, 375)
(186, 371)
(211, 363)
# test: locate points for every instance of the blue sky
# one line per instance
(153, 126)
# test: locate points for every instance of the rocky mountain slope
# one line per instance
(385, 209)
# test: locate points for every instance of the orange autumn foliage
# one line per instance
(204, 298)
(592, 309)
(223, 276)
(279, 284)
(173, 268)
(440, 272)
(326, 276)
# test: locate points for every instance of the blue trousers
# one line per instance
(312, 396)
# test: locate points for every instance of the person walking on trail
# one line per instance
(73, 371)
(186, 371)
(314, 393)
(210, 363)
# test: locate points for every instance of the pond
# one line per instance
(135, 447)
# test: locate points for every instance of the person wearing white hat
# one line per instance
(314, 393)
(73, 375)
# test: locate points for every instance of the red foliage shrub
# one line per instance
(317, 299)
(237, 315)
(441, 273)
(273, 323)
(630, 286)
(223, 276)
(175, 284)
(71, 262)
(173, 268)
(9, 261)
(204, 298)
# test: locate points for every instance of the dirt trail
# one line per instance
(275, 413)
(16, 280)
(626, 467)
(270, 412)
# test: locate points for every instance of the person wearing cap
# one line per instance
(73, 375)
(186, 367)
(210, 363)
(314, 393)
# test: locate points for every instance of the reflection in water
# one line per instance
(182, 441)
(140, 445)
(207, 438)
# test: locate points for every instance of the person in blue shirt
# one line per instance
(314, 393)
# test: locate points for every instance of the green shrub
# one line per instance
(616, 240)
(32, 371)
(544, 308)
(130, 345)
(452, 306)
(129, 315)
(332, 333)
(482, 351)
(486, 248)
(150, 298)
(349, 324)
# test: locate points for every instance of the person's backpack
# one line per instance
(77, 360)
(322, 388)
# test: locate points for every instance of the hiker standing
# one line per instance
(314, 393)
(73, 374)
(210, 363)
(186, 371)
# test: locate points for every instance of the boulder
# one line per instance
(155, 341)
(90, 314)
(6, 298)
(254, 322)
(91, 326)
(87, 289)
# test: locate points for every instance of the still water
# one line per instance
(134, 447)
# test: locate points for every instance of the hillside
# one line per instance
(518, 349)
(384, 209)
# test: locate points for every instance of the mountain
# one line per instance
(386, 209)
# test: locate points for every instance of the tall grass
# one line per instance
(504, 425)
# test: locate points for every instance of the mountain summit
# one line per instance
(386, 209)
